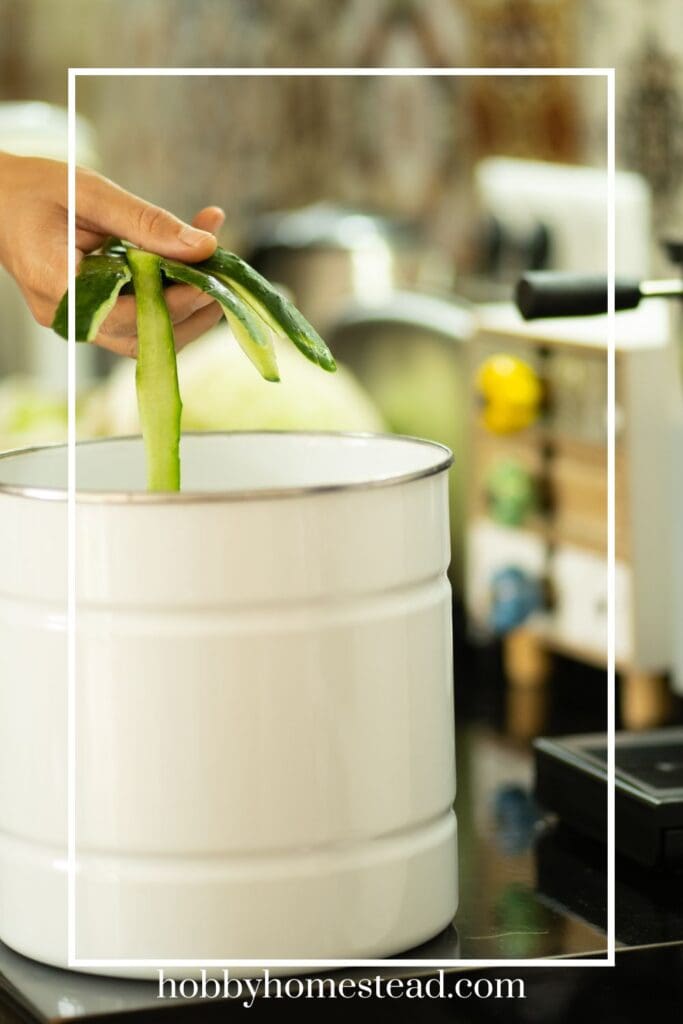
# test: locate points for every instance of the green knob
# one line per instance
(511, 493)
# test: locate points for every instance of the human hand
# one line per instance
(33, 244)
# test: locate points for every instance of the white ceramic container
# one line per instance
(264, 717)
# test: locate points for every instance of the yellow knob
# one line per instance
(512, 394)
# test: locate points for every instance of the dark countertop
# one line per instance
(528, 889)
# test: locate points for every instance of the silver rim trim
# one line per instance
(194, 497)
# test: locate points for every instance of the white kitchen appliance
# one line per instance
(570, 203)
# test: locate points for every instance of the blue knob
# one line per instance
(515, 595)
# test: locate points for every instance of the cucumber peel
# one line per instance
(276, 310)
(100, 279)
(156, 374)
(252, 307)
(251, 333)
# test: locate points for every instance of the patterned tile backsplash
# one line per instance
(405, 145)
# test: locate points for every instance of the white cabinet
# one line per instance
(562, 538)
(578, 618)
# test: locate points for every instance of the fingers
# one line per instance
(119, 330)
(181, 300)
(195, 325)
(87, 241)
(211, 218)
(105, 208)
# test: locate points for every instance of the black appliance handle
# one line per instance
(546, 293)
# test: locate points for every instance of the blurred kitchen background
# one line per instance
(400, 212)
(396, 210)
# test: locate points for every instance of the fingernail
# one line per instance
(193, 236)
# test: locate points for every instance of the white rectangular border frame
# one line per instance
(73, 74)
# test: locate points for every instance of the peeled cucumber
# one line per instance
(156, 374)
(252, 307)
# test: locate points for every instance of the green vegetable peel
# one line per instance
(252, 307)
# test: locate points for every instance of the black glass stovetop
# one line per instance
(656, 766)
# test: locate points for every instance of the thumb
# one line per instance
(110, 210)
